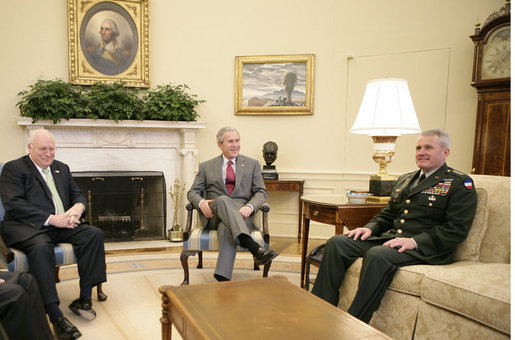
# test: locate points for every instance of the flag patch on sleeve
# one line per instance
(468, 184)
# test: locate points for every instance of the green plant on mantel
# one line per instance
(169, 102)
(56, 100)
(114, 101)
(53, 100)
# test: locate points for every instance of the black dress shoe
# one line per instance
(82, 307)
(265, 256)
(65, 330)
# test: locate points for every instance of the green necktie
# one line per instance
(53, 190)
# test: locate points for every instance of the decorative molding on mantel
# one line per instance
(130, 145)
(105, 123)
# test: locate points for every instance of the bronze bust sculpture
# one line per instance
(270, 155)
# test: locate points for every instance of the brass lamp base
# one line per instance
(377, 199)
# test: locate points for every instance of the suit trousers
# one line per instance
(379, 266)
(88, 244)
(22, 314)
(231, 225)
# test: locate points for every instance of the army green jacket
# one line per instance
(437, 213)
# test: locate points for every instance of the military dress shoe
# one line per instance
(82, 307)
(64, 329)
(264, 256)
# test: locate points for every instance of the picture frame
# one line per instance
(274, 85)
(109, 41)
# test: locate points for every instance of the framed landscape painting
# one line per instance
(275, 85)
(108, 41)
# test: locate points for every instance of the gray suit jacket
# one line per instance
(249, 186)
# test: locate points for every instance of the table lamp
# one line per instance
(386, 112)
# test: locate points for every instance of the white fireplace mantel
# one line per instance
(103, 145)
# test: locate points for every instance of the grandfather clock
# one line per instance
(491, 78)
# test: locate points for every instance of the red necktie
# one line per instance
(229, 178)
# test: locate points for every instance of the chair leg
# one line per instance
(307, 275)
(56, 274)
(184, 262)
(200, 262)
(100, 293)
(266, 268)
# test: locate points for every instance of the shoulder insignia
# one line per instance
(468, 184)
(455, 172)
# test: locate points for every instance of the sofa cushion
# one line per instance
(407, 279)
(495, 247)
(479, 291)
(468, 250)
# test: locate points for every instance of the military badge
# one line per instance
(440, 189)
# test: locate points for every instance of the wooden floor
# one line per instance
(284, 245)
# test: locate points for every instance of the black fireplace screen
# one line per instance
(125, 205)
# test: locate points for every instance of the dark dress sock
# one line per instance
(53, 311)
(85, 292)
(247, 242)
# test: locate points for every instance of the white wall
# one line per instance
(195, 42)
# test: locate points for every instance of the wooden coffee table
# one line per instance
(266, 308)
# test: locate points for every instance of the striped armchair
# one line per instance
(197, 238)
(15, 260)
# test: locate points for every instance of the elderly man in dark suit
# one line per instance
(228, 189)
(43, 206)
(429, 213)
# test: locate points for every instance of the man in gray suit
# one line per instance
(228, 189)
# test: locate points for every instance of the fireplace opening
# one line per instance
(126, 205)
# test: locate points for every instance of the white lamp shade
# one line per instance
(386, 109)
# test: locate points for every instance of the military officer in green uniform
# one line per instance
(429, 213)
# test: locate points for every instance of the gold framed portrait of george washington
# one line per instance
(109, 41)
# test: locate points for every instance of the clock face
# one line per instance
(496, 55)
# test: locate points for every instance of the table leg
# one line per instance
(338, 229)
(166, 325)
(305, 237)
(299, 231)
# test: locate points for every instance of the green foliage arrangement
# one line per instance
(53, 100)
(56, 100)
(114, 101)
(169, 102)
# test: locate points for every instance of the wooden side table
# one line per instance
(288, 185)
(335, 210)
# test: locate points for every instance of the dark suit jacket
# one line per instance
(249, 185)
(437, 213)
(28, 200)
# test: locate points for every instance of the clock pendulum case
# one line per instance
(491, 78)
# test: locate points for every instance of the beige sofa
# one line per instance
(468, 299)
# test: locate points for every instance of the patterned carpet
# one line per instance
(133, 307)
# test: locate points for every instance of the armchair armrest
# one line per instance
(265, 208)
(189, 221)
